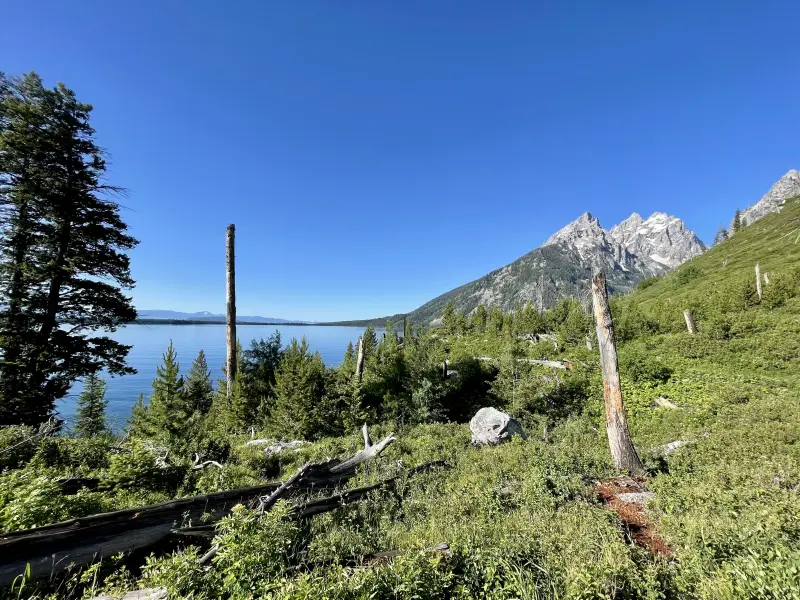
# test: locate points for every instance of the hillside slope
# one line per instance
(772, 242)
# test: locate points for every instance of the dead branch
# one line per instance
(52, 548)
(198, 465)
(554, 364)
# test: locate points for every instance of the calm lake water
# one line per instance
(150, 341)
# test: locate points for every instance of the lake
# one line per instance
(150, 341)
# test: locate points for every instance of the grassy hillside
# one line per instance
(772, 242)
(523, 520)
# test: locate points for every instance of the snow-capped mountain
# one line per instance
(629, 252)
(661, 240)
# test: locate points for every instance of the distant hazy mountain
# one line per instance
(786, 187)
(204, 316)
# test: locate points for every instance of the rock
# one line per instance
(786, 187)
(668, 449)
(490, 427)
(634, 497)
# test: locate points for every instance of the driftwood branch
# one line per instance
(52, 548)
(202, 465)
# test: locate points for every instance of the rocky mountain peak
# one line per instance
(786, 187)
(662, 240)
(585, 227)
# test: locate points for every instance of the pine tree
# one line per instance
(449, 318)
(299, 388)
(63, 259)
(166, 416)
(197, 388)
(370, 342)
(348, 365)
(92, 408)
(478, 319)
(737, 221)
(495, 323)
(720, 236)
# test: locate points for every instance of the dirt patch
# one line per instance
(632, 514)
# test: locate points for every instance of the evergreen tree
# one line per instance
(370, 342)
(348, 365)
(166, 416)
(63, 258)
(462, 324)
(495, 323)
(508, 324)
(92, 408)
(299, 389)
(528, 320)
(477, 320)
(721, 235)
(449, 318)
(197, 388)
(257, 367)
(737, 221)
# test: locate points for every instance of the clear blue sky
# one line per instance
(376, 154)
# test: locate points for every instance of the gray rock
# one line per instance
(786, 187)
(491, 427)
(668, 449)
(634, 497)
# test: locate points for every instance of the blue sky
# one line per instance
(376, 154)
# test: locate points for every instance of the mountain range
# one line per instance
(173, 315)
(629, 252)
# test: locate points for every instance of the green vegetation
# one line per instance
(522, 520)
(62, 252)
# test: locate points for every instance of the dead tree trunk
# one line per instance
(540, 296)
(589, 342)
(687, 314)
(758, 280)
(360, 360)
(766, 278)
(230, 280)
(51, 549)
(623, 452)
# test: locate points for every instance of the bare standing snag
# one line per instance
(230, 281)
(619, 439)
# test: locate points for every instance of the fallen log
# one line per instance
(554, 364)
(51, 549)
(146, 594)
(322, 505)
(73, 485)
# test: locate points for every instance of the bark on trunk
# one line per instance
(230, 281)
(687, 314)
(360, 360)
(623, 452)
(758, 280)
